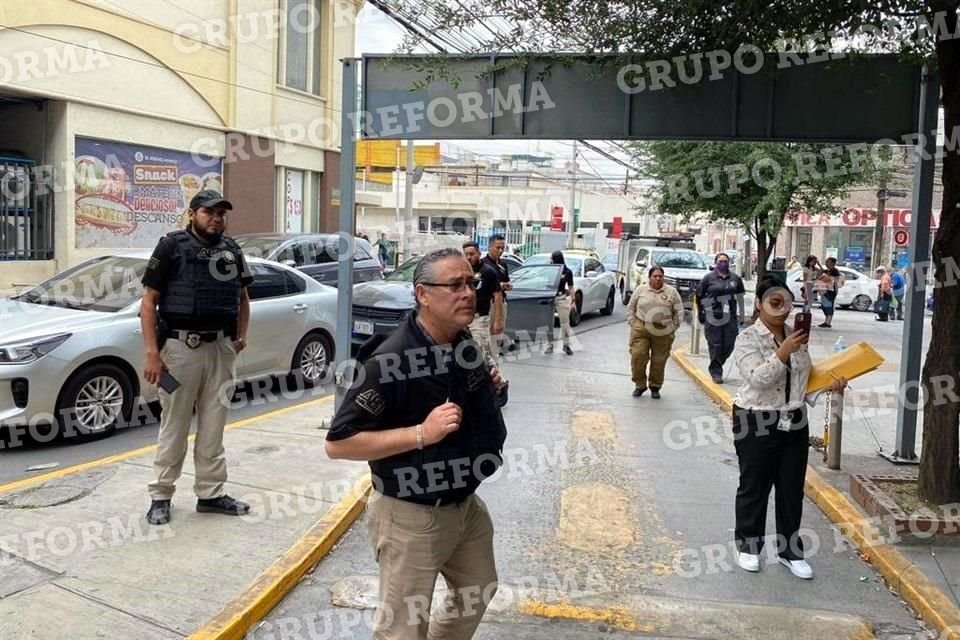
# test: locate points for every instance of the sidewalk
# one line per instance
(78, 560)
(611, 518)
(869, 424)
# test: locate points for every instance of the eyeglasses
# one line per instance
(456, 286)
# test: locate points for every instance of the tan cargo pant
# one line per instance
(648, 347)
(480, 330)
(562, 304)
(496, 340)
(415, 543)
(206, 376)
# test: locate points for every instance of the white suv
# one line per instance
(682, 268)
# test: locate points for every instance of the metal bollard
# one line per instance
(695, 331)
(835, 417)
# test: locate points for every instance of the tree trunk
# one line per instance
(939, 463)
(760, 235)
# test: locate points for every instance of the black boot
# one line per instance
(655, 393)
(225, 505)
(159, 512)
(638, 392)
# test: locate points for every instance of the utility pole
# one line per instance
(571, 231)
(878, 230)
(408, 197)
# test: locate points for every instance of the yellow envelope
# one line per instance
(852, 362)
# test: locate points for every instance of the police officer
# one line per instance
(562, 303)
(423, 413)
(720, 306)
(486, 281)
(498, 245)
(196, 282)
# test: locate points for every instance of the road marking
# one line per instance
(595, 518)
(126, 455)
(616, 617)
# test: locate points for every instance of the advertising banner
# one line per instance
(129, 196)
(294, 201)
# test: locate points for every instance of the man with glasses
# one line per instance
(194, 318)
(423, 413)
(720, 306)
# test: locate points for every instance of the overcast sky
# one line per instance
(377, 33)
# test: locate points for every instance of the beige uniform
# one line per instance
(654, 316)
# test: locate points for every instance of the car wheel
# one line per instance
(93, 401)
(611, 301)
(862, 303)
(624, 294)
(576, 311)
(312, 358)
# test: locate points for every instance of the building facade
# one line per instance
(115, 114)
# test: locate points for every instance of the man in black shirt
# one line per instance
(423, 413)
(194, 318)
(487, 285)
(720, 306)
(498, 322)
(562, 303)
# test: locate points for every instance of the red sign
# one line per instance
(617, 228)
(556, 218)
(901, 237)
(855, 217)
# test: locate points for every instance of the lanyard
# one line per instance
(786, 390)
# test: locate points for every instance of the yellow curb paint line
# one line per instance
(928, 600)
(126, 455)
(272, 586)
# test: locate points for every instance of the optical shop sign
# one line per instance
(129, 196)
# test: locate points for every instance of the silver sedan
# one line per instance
(71, 348)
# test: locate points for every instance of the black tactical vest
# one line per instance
(206, 280)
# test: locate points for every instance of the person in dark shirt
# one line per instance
(562, 304)
(720, 306)
(423, 412)
(194, 316)
(828, 285)
(487, 285)
(498, 322)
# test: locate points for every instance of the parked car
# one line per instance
(682, 268)
(858, 291)
(379, 307)
(315, 254)
(610, 261)
(72, 346)
(594, 286)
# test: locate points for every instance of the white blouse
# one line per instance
(764, 375)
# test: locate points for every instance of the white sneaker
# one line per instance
(748, 561)
(799, 568)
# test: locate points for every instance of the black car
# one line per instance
(378, 307)
(315, 254)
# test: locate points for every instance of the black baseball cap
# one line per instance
(210, 198)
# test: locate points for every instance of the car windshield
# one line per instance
(679, 260)
(257, 246)
(404, 273)
(535, 277)
(574, 264)
(103, 284)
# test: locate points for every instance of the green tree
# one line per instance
(751, 184)
(664, 28)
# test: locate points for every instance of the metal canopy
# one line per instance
(862, 99)
(867, 99)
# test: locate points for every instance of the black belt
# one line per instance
(194, 338)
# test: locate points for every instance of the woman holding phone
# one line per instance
(771, 433)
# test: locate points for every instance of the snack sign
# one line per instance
(129, 196)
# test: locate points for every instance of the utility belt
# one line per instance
(193, 339)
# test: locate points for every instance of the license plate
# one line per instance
(366, 328)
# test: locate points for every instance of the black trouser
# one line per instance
(882, 306)
(769, 458)
(720, 340)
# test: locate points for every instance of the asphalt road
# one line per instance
(17, 458)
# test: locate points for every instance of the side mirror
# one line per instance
(591, 274)
(289, 263)
(641, 263)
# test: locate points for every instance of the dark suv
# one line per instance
(315, 254)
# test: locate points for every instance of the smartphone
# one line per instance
(802, 321)
(168, 383)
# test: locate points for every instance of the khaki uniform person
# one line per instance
(654, 314)
(196, 281)
(562, 302)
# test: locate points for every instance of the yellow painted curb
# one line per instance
(271, 586)
(933, 605)
(126, 455)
